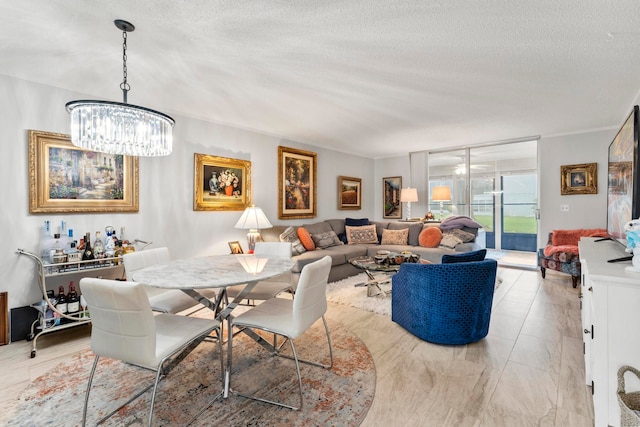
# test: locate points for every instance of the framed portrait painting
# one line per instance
(297, 183)
(391, 206)
(349, 193)
(579, 179)
(221, 183)
(64, 178)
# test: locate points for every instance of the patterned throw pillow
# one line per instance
(449, 241)
(395, 237)
(362, 234)
(325, 240)
(291, 235)
(465, 236)
(306, 239)
(430, 237)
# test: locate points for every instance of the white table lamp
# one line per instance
(408, 195)
(441, 194)
(253, 219)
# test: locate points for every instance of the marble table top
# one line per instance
(212, 272)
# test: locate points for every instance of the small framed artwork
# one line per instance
(297, 183)
(349, 193)
(64, 178)
(221, 183)
(391, 206)
(579, 179)
(235, 247)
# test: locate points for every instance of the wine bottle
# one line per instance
(49, 318)
(73, 301)
(87, 255)
(61, 305)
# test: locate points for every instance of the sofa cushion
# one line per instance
(337, 225)
(430, 237)
(356, 222)
(305, 238)
(395, 237)
(326, 240)
(318, 227)
(449, 241)
(362, 234)
(414, 230)
(290, 234)
(380, 225)
(465, 236)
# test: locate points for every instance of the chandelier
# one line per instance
(120, 128)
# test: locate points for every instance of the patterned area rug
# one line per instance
(338, 396)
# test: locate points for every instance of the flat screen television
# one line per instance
(623, 188)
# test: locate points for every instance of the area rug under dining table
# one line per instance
(340, 396)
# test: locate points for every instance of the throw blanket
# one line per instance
(458, 221)
(567, 240)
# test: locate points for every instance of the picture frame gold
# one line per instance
(349, 193)
(297, 183)
(579, 179)
(391, 206)
(66, 179)
(221, 183)
(235, 248)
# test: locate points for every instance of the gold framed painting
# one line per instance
(64, 178)
(349, 193)
(391, 206)
(221, 183)
(297, 183)
(579, 179)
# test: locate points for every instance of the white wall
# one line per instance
(585, 210)
(166, 214)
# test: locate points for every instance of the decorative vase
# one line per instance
(228, 190)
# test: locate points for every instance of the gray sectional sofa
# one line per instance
(342, 253)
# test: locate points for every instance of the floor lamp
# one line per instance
(408, 195)
(441, 194)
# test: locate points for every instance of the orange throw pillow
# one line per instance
(430, 237)
(305, 239)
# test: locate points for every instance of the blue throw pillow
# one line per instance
(356, 222)
(465, 257)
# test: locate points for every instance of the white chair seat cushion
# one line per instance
(275, 315)
(261, 291)
(175, 301)
(173, 331)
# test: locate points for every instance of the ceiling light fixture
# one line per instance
(120, 128)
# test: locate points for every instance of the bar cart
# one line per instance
(75, 270)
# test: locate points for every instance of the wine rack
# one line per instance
(75, 269)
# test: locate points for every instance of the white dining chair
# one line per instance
(270, 288)
(291, 318)
(125, 328)
(162, 300)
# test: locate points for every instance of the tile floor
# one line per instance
(529, 371)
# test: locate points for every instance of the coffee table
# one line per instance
(368, 264)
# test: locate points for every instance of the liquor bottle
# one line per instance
(46, 241)
(49, 318)
(61, 305)
(98, 247)
(87, 255)
(73, 301)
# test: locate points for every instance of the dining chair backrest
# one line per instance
(123, 323)
(310, 302)
(275, 249)
(135, 261)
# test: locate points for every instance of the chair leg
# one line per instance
(574, 281)
(86, 396)
(153, 394)
(310, 362)
(543, 271)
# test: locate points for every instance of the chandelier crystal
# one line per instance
(120, 128)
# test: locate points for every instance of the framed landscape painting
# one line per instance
(221, 183)
(64, 178)
(349, 193)
(391, 206)
(297, 183)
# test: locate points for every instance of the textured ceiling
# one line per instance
(364, 77)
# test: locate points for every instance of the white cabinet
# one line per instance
(610, 323)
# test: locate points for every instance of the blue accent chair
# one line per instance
(465, 257)
(444, 303)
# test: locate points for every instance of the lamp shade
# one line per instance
(441, 194)
(253, 218)
(409, 195)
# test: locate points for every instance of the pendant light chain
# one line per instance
(124, 85)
